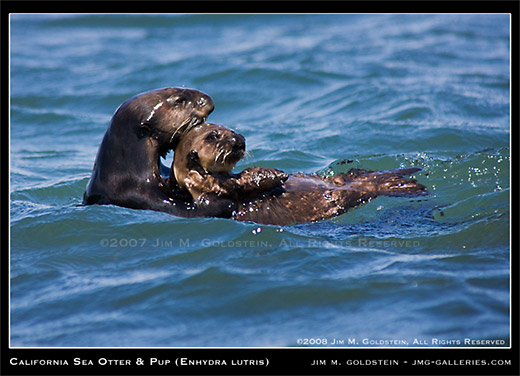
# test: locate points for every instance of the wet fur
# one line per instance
(202, 167)
(144, 128)
(270, 196)
(308, 198)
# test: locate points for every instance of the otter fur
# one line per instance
(206, 155)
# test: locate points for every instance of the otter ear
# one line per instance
(144, 129)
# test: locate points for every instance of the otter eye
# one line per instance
(213, 136)
(201, 102)
(180, 101)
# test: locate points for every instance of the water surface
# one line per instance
(311, 93)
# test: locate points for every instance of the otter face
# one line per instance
(166, 114)
(207, 148)
(220, 149)
(190, 108)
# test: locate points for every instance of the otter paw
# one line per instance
(263, 178)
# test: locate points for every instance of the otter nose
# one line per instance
(238, 141)
(205, 102)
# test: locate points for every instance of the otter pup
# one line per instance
(206, 155)
(203, 164)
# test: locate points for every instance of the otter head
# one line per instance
(163, 115)
(207, 149)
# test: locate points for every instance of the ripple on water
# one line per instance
(430, 91)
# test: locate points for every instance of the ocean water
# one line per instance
(311, 93)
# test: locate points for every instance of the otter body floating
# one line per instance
(206, 155)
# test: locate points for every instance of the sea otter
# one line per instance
(144, 128)
(203, 164)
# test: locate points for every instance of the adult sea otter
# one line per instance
(206, 155)
(144, 128)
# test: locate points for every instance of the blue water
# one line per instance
(311, 93)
